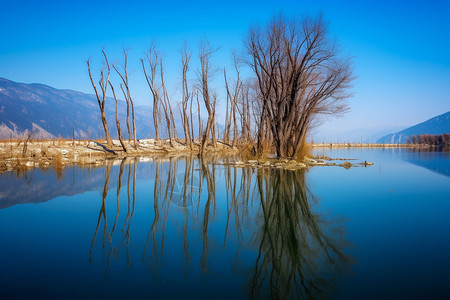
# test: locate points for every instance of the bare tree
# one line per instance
(127, 95)
(167, 107)
(119, 133)
(172, 129)
(192, 121)
(185, 58)
(226, 130)
(103, 83)
(200, 126)
(128, 113)
(300, 75)
(153, 59)
(209, 98)
(244, 111)
(232, 97)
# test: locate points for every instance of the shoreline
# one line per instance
(367, 145)
(22, 155)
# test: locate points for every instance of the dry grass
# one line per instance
(247, 150)
(57, 164)
(304, 151)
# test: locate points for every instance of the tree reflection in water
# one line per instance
(298, 252)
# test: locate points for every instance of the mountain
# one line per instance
(434, 126)
(334, 134)
(50, 112)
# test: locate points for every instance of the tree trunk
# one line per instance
(128, 96)
(119, 133)
(101, 103)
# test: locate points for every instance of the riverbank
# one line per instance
(20, 155)
(365, 145)
(23, 155)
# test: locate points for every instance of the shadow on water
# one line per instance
(298, 252)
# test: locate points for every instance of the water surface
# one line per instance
(165, 228)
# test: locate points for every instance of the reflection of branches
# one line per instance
(127, 225)
(297, 254)
(107, 236)
(130, 212)
(103, 212)
(166, 195)
(156, 218)
(187, 184)
(119, 185)
(293, 247)
(211, 198)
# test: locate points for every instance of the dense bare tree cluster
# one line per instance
(299, 74)
(428, 139)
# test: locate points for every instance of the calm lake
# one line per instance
(160, 228)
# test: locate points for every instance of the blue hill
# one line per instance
(50, 112)
(434, 126)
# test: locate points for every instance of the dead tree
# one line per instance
(209, 98)
(165, 103)
(244, 112)
(301, 75)
(119, 133)
(152, 57)
(200, 125)
(227, 127)
(232, 97)
(128, 113)
(127, 95)
(168, 106)
(185, 57)
(103, 83)
(192, 121)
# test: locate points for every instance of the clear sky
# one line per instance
(401, 49)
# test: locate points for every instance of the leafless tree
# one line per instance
(128, 113)
(192, 121)
(153, 59)
(209, 98)
(167, 108)
(127, 95)
(232, 98)
(200, 126)
(119, 133)
(185, 58)
(244, 110)
(227, 127)
(103, 83)
(300, 74)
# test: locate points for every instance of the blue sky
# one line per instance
(401, 50)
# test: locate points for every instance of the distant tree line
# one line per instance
(299, 74)
(428, 139)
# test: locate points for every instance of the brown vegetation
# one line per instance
(431, 140)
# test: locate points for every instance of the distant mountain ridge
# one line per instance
(434, 126)
(50, 112)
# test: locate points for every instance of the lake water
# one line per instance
(154, 228)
